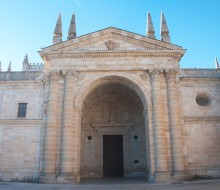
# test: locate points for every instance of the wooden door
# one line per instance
(113, 165)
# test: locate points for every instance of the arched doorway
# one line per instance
(113, 132)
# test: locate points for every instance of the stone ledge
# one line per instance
(200, 119)
(21, 121)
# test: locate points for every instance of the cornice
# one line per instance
(176, 55)
(21, 121)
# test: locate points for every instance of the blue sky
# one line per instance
(28, 25)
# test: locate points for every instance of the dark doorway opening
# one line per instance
(113, 165)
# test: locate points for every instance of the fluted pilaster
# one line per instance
(67, 129)
(150, 144)
(160, 144)
(175, 124)
(77, 144)
(49, 167)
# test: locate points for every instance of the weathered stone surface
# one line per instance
(110, 82)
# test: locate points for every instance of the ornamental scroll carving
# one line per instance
(156, 73)
(171, 73)
(111, 45)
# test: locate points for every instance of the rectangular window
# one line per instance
(22, 108)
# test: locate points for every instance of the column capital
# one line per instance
(171, 73)
(68, 74)
(53, 74)
(156, 73)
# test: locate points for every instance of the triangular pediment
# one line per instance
(110, 39)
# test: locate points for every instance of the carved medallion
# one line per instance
(111, 45)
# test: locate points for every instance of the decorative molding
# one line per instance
(104, 54)
(111, 45)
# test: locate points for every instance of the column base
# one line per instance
(178, 176)
(68, 178)
(47, 178)
(65, 178)
(164, 177)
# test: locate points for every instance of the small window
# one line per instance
(89, 138)
(22, 108)
(135, 137)
(203, 100)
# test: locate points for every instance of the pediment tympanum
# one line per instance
(111, 40)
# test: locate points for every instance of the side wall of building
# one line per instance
(20, 137)
(202, 123)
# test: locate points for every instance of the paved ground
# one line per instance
(116, 184)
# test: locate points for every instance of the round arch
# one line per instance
(133, 82)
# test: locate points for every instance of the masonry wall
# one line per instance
(201, 123)
(20, 137)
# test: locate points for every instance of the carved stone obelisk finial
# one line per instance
(150, 27)
(72, 28)
(57, 38)
(164, 31)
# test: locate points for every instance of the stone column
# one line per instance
(175, 124)
(77, 144)
(67, 145)
(150, 144)
(50, 149)
(160, 143)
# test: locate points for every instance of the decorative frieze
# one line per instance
(96, 54)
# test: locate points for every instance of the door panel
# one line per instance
(113, 165)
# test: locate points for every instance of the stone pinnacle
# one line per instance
(57, 38)
(216, 64)
(9, 67)
(164, 31)
(150, 27)
(72, 28)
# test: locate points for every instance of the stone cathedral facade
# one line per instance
(109, 104)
